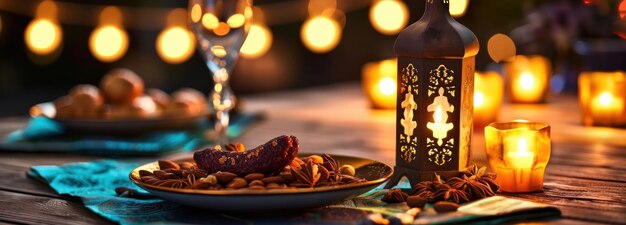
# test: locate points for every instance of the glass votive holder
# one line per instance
(379, 83)
(528, 78)
(601, 97)
(518, 153)
(488, 95)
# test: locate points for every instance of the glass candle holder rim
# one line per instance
(517, 125)
(613, 75)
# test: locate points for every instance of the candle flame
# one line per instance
(605, 99)
(522, 145)
(438, 115)
(387, 86)
(527, 82)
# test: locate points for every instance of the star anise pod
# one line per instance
(447, 193)
(308, 174)
(427, 189)
(394, 195)
(474, 188)
(332, 166)
(480, 174)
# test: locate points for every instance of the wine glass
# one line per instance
(220, 26)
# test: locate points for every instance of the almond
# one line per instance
(187, 166)
(165, 164)
(224, 177)
(416, 201)
(274, 179)
(256, 183)
(237, 183)
(254, 176)
(143, 173)
(443, 206)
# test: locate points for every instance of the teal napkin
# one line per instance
(95, 182)
(42, 134)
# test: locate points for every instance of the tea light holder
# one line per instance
(379, 83)
(602, 98)
(528, 78)
(518, 152)
(488, 95)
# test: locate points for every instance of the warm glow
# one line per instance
(438, 115)
(0, 25)
(210, 21)
(258, 41)
(458, 7)
(196, 13)
(43, 36)
(219, 51)
(389, 16)
(605, 99)
(236, 21)
(175, 45)
(520, 158)
(526, 81)
(479, 99)
(320, 34)
(108, 43)
(387, 86)
(622, 9)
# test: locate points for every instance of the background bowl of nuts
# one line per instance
(308, 181)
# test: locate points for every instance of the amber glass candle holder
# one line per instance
(488, 95)
(379, 83)
(518, 152)
(528, 78)
(602, 97)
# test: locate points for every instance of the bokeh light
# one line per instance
(458, 7)
(258, 42)
(236, 21)
(43, 36)
(389, 16)
(501, 48)
(175, 44)
(210, 21)
(108, 43)
(195, 13)
(387, 86)
(320, 34)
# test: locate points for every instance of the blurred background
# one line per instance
(47, 47)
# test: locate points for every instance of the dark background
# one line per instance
(288, 64)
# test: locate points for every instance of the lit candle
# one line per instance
(379, 83)
(528, 78)
(488, 92)
(518, 153)
(440, 128)
(601, 96)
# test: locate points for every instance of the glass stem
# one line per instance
(221, 127)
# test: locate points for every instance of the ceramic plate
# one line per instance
(120, 125)
(276, 199)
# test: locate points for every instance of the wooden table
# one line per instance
(586, 176)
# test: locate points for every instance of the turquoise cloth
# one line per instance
(95, 182)
(42, 134)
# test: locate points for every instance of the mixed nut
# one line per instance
(306, 172)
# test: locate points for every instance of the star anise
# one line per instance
(481, 175)
(427, 189)
(332, 166)
(447, 193)
(474, 188)
(308, 174)
(395, 195)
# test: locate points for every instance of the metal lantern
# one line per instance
(435, 96)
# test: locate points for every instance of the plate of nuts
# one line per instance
(269, 177)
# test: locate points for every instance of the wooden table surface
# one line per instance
(586, 176)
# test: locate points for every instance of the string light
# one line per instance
(43, 34)
(320, 34)
(109, 41)
(389, 16)
(458, 7)
(175, 44)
